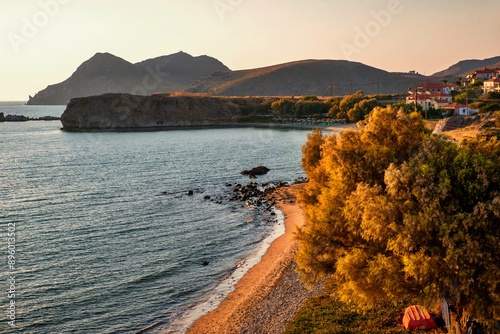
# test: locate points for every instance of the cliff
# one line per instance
(115, 112)
(106, 73)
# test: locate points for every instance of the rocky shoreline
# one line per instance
(270, 293)
(22, 118)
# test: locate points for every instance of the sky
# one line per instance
(42, 42)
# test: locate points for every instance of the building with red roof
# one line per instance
(430, 100)
(433, 87)
(491, 85)
(458, 109)
(484, 74)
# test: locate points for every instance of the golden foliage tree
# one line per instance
(393, 211)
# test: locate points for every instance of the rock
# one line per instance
(190, 193)
(16, 118)
(204, 263)
(114, 112)
(206, 197)
(261, 170)
(49, 118)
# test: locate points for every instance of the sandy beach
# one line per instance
(268, 296)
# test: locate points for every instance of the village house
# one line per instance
(453, 87)
(484, 74)
(430, 100)
(433, 87)
(491, 85)
(458, 109)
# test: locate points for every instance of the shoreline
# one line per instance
(219, 126)
(270, 289)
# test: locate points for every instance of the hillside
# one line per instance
(106, 73)
(307, 77)
(464, 67)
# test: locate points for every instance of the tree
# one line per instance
(361, 109)
(282, 107)
(392, 211)
(461, 98)
(312, 150)
(352, 107)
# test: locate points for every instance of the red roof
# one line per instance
(441, 101)
(454, 106)
(431, 85)
(497, 79)
(486, 70)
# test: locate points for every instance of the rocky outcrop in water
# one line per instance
(22, 118)
(261, 170)
(117, 112)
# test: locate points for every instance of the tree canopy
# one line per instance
(393, 211)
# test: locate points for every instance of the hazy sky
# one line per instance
(43, 41)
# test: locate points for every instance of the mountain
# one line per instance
(307, 77)
(464, 67)
(106, 73)
(183, 68)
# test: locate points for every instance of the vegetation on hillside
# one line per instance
(488, 102)
(394, 212)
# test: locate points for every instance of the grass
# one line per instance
(325, 314)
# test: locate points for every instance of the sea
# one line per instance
(99, 235)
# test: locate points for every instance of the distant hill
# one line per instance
(106, 73)
(307, 77)
(464, 67)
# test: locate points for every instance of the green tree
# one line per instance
(392, 211)
(461, 98)
(361, 109)
(282, 107)
(307, 108)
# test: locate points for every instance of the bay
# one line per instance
(107, 239)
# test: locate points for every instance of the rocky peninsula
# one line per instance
(122, 112)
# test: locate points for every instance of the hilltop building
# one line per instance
(484, 74)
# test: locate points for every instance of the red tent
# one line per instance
(417, 318)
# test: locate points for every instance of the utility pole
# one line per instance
(467, 98)
(331, 89)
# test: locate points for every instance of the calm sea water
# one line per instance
(98, 250)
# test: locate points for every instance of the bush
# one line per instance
(394, 212)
